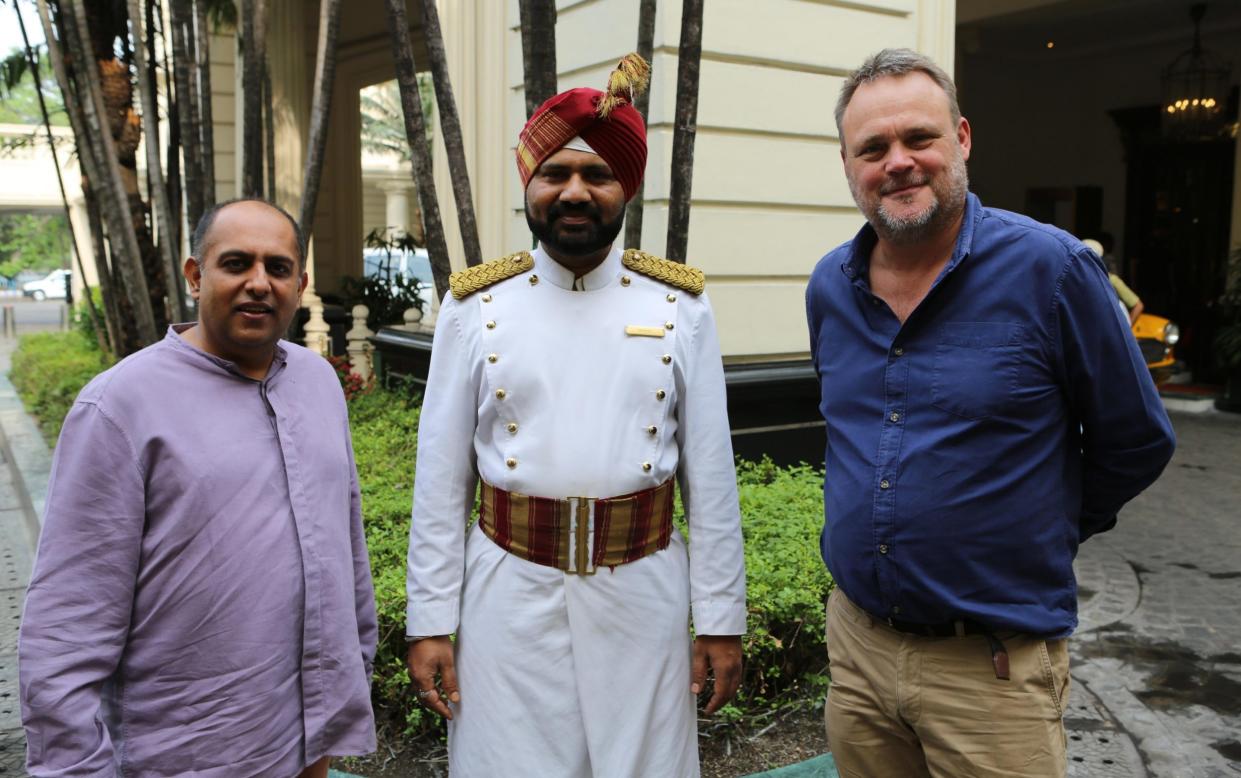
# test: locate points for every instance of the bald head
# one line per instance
(201, 239)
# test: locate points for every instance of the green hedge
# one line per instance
(49, 369)
(782, 511)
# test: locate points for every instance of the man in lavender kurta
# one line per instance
(201, 604)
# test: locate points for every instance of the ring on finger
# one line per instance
(425, 694)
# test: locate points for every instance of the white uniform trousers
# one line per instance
(567, 676)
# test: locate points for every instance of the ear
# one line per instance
(964, 138)
(193, 274)
(302, 283)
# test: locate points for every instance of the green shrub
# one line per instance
(786, 580)
(49, 369)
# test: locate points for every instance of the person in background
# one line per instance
(1129, 299)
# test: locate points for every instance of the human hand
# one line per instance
(722, 653)
(428, 658)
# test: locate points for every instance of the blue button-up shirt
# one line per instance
(970, 449)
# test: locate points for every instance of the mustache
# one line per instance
(557, 210)
(908, 179)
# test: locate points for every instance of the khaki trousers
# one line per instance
(901, 705)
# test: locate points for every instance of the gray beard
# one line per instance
(946, 206)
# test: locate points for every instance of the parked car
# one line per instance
(413, 265)
(1156, 337)
(52, 287)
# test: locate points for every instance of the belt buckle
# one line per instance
(582, 558)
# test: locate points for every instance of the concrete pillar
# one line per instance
(475, 43)
(396, 205)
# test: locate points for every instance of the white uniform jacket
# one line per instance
(540, 390)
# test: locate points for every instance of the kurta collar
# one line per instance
(554, 272)
(173, 338)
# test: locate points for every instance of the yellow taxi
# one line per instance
(1156, 337)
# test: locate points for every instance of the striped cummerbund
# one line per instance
(560, 533)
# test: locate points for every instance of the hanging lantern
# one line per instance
(1195, 86)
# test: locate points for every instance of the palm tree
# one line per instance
(206, 127)
(646, 46)
(155, 175)
(253, 69)
(420, 150)
(450, 125)
(101, 333)
(688, 60)
(116, 204)
(185, 75)
(538, 51)
(325, 76)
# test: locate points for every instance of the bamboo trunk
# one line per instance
(688, 61)
(646, 46)
(175, 289)
(325, 78)
(450, 125)
(420, 151)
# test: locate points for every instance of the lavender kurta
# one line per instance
(201, 603)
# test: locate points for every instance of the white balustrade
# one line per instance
(359, 347)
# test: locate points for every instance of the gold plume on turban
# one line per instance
(629, 79)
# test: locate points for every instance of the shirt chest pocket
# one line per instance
(976, 369)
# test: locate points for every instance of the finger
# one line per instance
(698, 668)
(727, 681)
(435, 702)
(448, 679)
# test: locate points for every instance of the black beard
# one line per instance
(597, 235)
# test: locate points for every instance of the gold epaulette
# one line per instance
(691, 279)
(464, 283)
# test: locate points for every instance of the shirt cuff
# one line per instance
(719, 617)
(431, 618)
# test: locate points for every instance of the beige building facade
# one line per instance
(769, 196)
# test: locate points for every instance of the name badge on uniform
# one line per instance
(646, 332)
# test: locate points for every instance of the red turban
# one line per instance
(605, 120)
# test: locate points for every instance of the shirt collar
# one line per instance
(856, 266)
(173, 338)
(554, 272)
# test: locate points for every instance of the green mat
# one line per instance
(819, 767)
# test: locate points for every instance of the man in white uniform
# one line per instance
(578, 383)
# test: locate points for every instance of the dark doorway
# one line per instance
(1178, 201)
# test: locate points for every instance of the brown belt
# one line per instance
(559, 532)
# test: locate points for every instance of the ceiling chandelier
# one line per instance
(1195, 88)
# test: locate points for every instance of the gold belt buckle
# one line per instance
(581, 518)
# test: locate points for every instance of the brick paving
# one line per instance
(1160, 640)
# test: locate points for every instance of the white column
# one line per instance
(396, 205)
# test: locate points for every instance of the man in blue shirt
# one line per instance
(987, 410)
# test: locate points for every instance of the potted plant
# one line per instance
(1227, 343)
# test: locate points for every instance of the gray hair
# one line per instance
(894, 62)
(198, 241)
